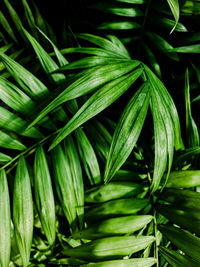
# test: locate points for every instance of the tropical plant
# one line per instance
(98, 133)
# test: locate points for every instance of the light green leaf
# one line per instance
(88, 83)
(88, 157)
(136, 262)
(4, 158)
(64, 185)
(14, 97)
(110, 248)
(111, 191)
(28, 82)
(127, 131)
(190, 49)
(183, 179)
(11, 122)
(174, 6)
(100, 100)
(23, 211)
(88, 62)
(76, 174)
(118, 50)
(5, 223)
(7, 141)
(44, 195)
(114, 227)
(119, 25)
(114, 208)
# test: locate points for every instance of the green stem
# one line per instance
(28, 151)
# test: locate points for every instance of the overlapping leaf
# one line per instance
(5, 224)
(23, 211)
(127, 131)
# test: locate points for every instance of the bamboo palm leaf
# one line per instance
(177, 259)
(191, 127)
(77, 178)
(104, 97)
(174, 6)
(23, 211)
(88, 157)
(114, 226)
(112, 190)
(44, 195)
(127, 131)
(5, 224)
(110, 248)
(4, 158)
(88, 83)
(184, 240)
(64, 185)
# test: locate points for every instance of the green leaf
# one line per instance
(76, 174)
(111, 191)
(100, 137)
(114, 226)
(28, 82)
(115, 208)
(177, 259)
(119, 25)
(23, 211)
(162, 45)
(15, 18)
(187, 218)
(191, 127)
(4, 22)
(166, 127)
(132, 1)
(4, 158)
(183, 179)
(64, 185)
(11, 122)
(100, 100)
(152, 60)
(14, 97)
(146, 262)
(88, 157)
(183, 199)
(117, 48)
(61, 59)
(44, 195)
(127, 131)
(185, 241)
(174, 6)
(30, 18)
(118, 9)
(88, 83)
(110, 248)
(88, 62)
(7, 141)
(5, 223)
(191, 49)
(90, 50)
(46, 61)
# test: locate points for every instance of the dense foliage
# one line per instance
(99, 133)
